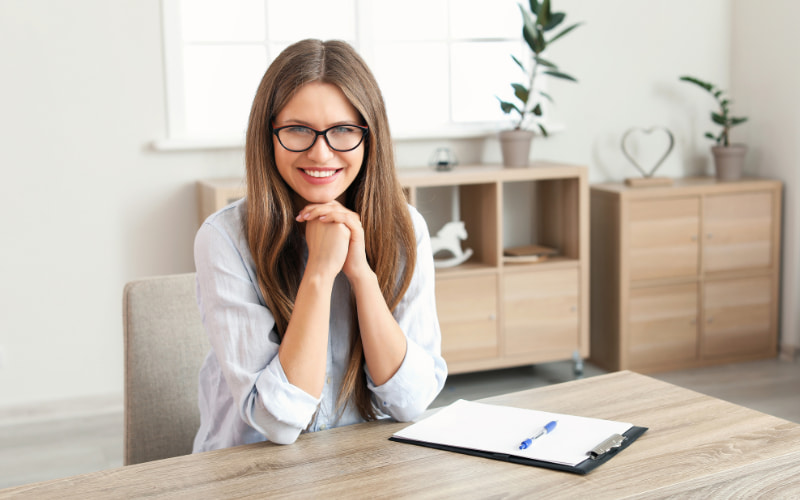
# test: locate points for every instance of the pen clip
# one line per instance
(614, 441)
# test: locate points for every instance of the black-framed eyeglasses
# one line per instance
(299, 138)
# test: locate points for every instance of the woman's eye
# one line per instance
(344, 130)
(299, 130)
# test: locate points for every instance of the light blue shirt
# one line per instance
(244, 395)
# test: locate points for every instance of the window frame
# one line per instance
(177, 138)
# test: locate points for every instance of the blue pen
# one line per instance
(547, 429)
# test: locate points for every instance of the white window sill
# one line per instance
(197, 144)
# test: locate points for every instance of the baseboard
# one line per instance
(789, 353)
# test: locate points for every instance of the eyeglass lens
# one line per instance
(299, 138)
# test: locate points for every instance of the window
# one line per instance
(439, 62)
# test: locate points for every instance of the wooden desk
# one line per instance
(697, 446)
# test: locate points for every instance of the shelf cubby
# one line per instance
(497, 312)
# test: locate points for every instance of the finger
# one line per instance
(346, 217)
(315, 210)
(326, 212)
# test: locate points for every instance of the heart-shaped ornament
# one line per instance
(645, 145)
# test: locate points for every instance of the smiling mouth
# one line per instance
(320, 173)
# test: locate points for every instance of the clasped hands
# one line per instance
(335, 240)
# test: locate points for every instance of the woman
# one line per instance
(316, 290)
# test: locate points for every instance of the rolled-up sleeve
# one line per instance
(241, 332)
(423, 371)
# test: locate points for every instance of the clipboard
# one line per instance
(578, 445)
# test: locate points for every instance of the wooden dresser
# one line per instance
(684, 275)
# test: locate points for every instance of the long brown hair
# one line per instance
(376, 195)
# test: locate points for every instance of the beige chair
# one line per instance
(164, 347)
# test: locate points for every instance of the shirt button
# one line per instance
(328, 381)
(323, 427)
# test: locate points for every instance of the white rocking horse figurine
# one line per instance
(448, 239)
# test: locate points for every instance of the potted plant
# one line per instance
(536, 22)
(728, 158)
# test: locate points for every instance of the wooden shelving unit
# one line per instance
(495, 313)
(686, 275)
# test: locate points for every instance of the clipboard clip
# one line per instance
(611, 443)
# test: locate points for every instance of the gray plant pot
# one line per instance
(729, 161)
(516, 147)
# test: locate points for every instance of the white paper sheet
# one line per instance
(501, 429)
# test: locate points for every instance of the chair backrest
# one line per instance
(164, 347)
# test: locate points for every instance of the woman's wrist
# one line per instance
(362, 278)
(321, 280)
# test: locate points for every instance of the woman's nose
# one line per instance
(320, 152)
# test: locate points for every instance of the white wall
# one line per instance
(86, 205)
(765, 83)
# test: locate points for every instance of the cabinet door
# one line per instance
(737, 317)
(467, 309)
(663, 325)
(662, 239)
(540, 312)
(737, 231)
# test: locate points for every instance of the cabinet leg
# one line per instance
(577, 364)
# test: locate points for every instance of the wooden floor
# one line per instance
(45, 444)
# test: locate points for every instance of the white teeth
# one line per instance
(320, 173)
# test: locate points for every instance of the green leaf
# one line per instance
(539, 42)
(530, 38)
(546, 96)
(543, 16)
(555, 19)
(528, 28)
(537, 110)
(521, 92)
(738, 121)
(545, 62)
(562, 33)
(521, 66)
(544, 130)
(558, 74)
(709, 135)
(508, 107)
(718, 119)
(534, 6)
(699, 83)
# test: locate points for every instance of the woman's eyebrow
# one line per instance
(294, 121)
